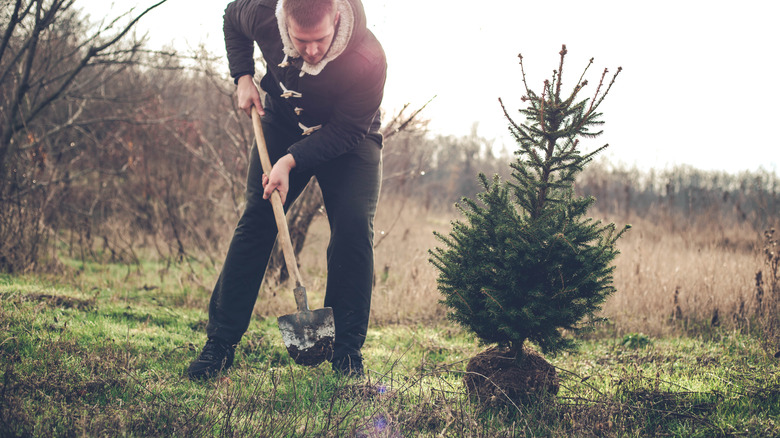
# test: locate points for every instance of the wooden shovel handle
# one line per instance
(276, 203)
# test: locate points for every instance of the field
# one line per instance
(100, 350)
(123, 173)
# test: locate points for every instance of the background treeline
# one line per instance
(109, 149)
(682, 192)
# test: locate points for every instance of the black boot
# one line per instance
(217, 356)
(348, 366)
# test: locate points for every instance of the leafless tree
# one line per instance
(43, 58)
(52, 65)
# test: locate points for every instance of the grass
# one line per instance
(101, 350)
(682, 386)
(104, 353)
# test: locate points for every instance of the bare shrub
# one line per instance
(767, 297)
(53, 66)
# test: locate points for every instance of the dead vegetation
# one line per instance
(670, 278)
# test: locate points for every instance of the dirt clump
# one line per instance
(318, 353)
(496, 376)
(62, 301)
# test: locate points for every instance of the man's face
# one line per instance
(313, 42)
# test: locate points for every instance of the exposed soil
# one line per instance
(318, 353)
(62, 301)
(494, 376)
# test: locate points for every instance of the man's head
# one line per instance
(311, 25)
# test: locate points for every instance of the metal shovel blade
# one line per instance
(309, 335)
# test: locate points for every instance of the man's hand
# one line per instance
(280, 178)
(248, 95)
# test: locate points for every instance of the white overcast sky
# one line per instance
(699, 84)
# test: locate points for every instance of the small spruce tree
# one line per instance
(527, 262)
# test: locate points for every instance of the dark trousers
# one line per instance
(350, 187)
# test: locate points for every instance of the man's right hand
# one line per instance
(248, 95)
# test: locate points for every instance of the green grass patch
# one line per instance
(100, 354)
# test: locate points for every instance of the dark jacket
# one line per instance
(340, 103)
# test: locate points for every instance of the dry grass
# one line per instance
(404, 282)
(708, 267)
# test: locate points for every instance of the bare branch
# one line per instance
(43, 18)
(14, 20)
(391, 129)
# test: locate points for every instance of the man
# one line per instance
(321, 117)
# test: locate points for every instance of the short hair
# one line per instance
(308, 13)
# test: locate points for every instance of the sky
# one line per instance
(699, 82)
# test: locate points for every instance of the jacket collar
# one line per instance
(340, 42)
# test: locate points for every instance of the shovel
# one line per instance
(308, 335)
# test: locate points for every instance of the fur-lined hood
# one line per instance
(350, 27)
(339, 97)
